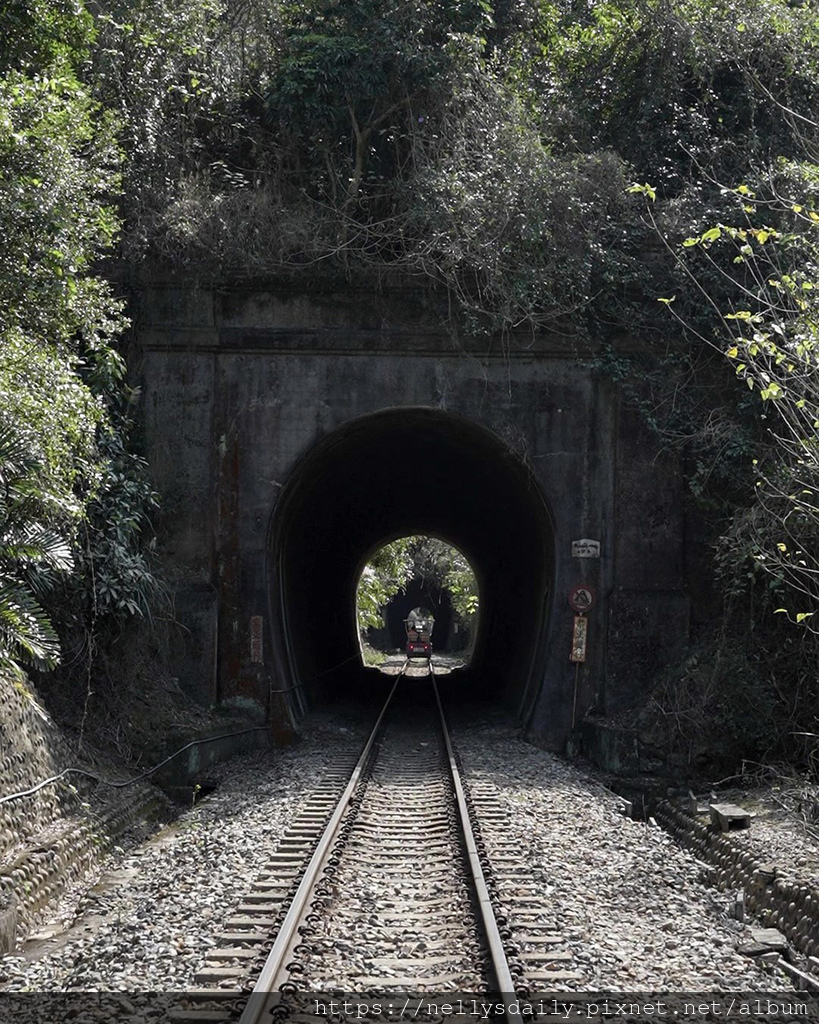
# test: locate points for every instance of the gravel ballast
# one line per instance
(149, 921)
(631, 903)
(634, 911)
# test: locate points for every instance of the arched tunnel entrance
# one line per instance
(390, 474)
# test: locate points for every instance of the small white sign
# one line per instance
(585, 548)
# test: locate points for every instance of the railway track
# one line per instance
(391, 891)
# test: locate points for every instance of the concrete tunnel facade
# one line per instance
(292, 431)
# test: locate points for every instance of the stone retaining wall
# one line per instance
(67, 850)
(776, 899)
(52, 837)
(32, 748)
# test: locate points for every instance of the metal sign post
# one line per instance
(581, 600)
(579, 635)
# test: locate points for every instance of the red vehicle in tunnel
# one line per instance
(419, 635)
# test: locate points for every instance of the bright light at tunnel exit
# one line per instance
(417, 579)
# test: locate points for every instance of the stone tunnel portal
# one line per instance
(386, 475)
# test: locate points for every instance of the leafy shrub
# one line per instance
(74, 500)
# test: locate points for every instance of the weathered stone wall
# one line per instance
(776, 898)
(32, 749)
(56, 834)
(241, 385)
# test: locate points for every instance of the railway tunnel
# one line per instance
(386, 475)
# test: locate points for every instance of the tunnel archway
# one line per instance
(390, 474)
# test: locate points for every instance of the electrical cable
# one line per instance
(318, 675)
(128, 782)
(144, 775)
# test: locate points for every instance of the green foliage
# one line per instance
(42, 392)
(164, 67)
(114, 562)
(357, 80)
(371, 656)
(518, 234)
(418, 149)
(387, 571)
(74, 500)
(756, 272)
(730, 701)
(680, 86)
(763, 313)
(40, 33)
(460, 581)
(438, 563)
(487, 146)
(428, 559)
(55, 170)
(31, 552)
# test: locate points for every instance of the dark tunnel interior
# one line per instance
(400, 472)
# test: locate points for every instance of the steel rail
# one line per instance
(500, 964)
(274, 972)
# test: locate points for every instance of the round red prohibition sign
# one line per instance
(581, 598)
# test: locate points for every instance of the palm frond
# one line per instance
(17, 460)
(26, 633)
(35, 544)
(31, 550)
